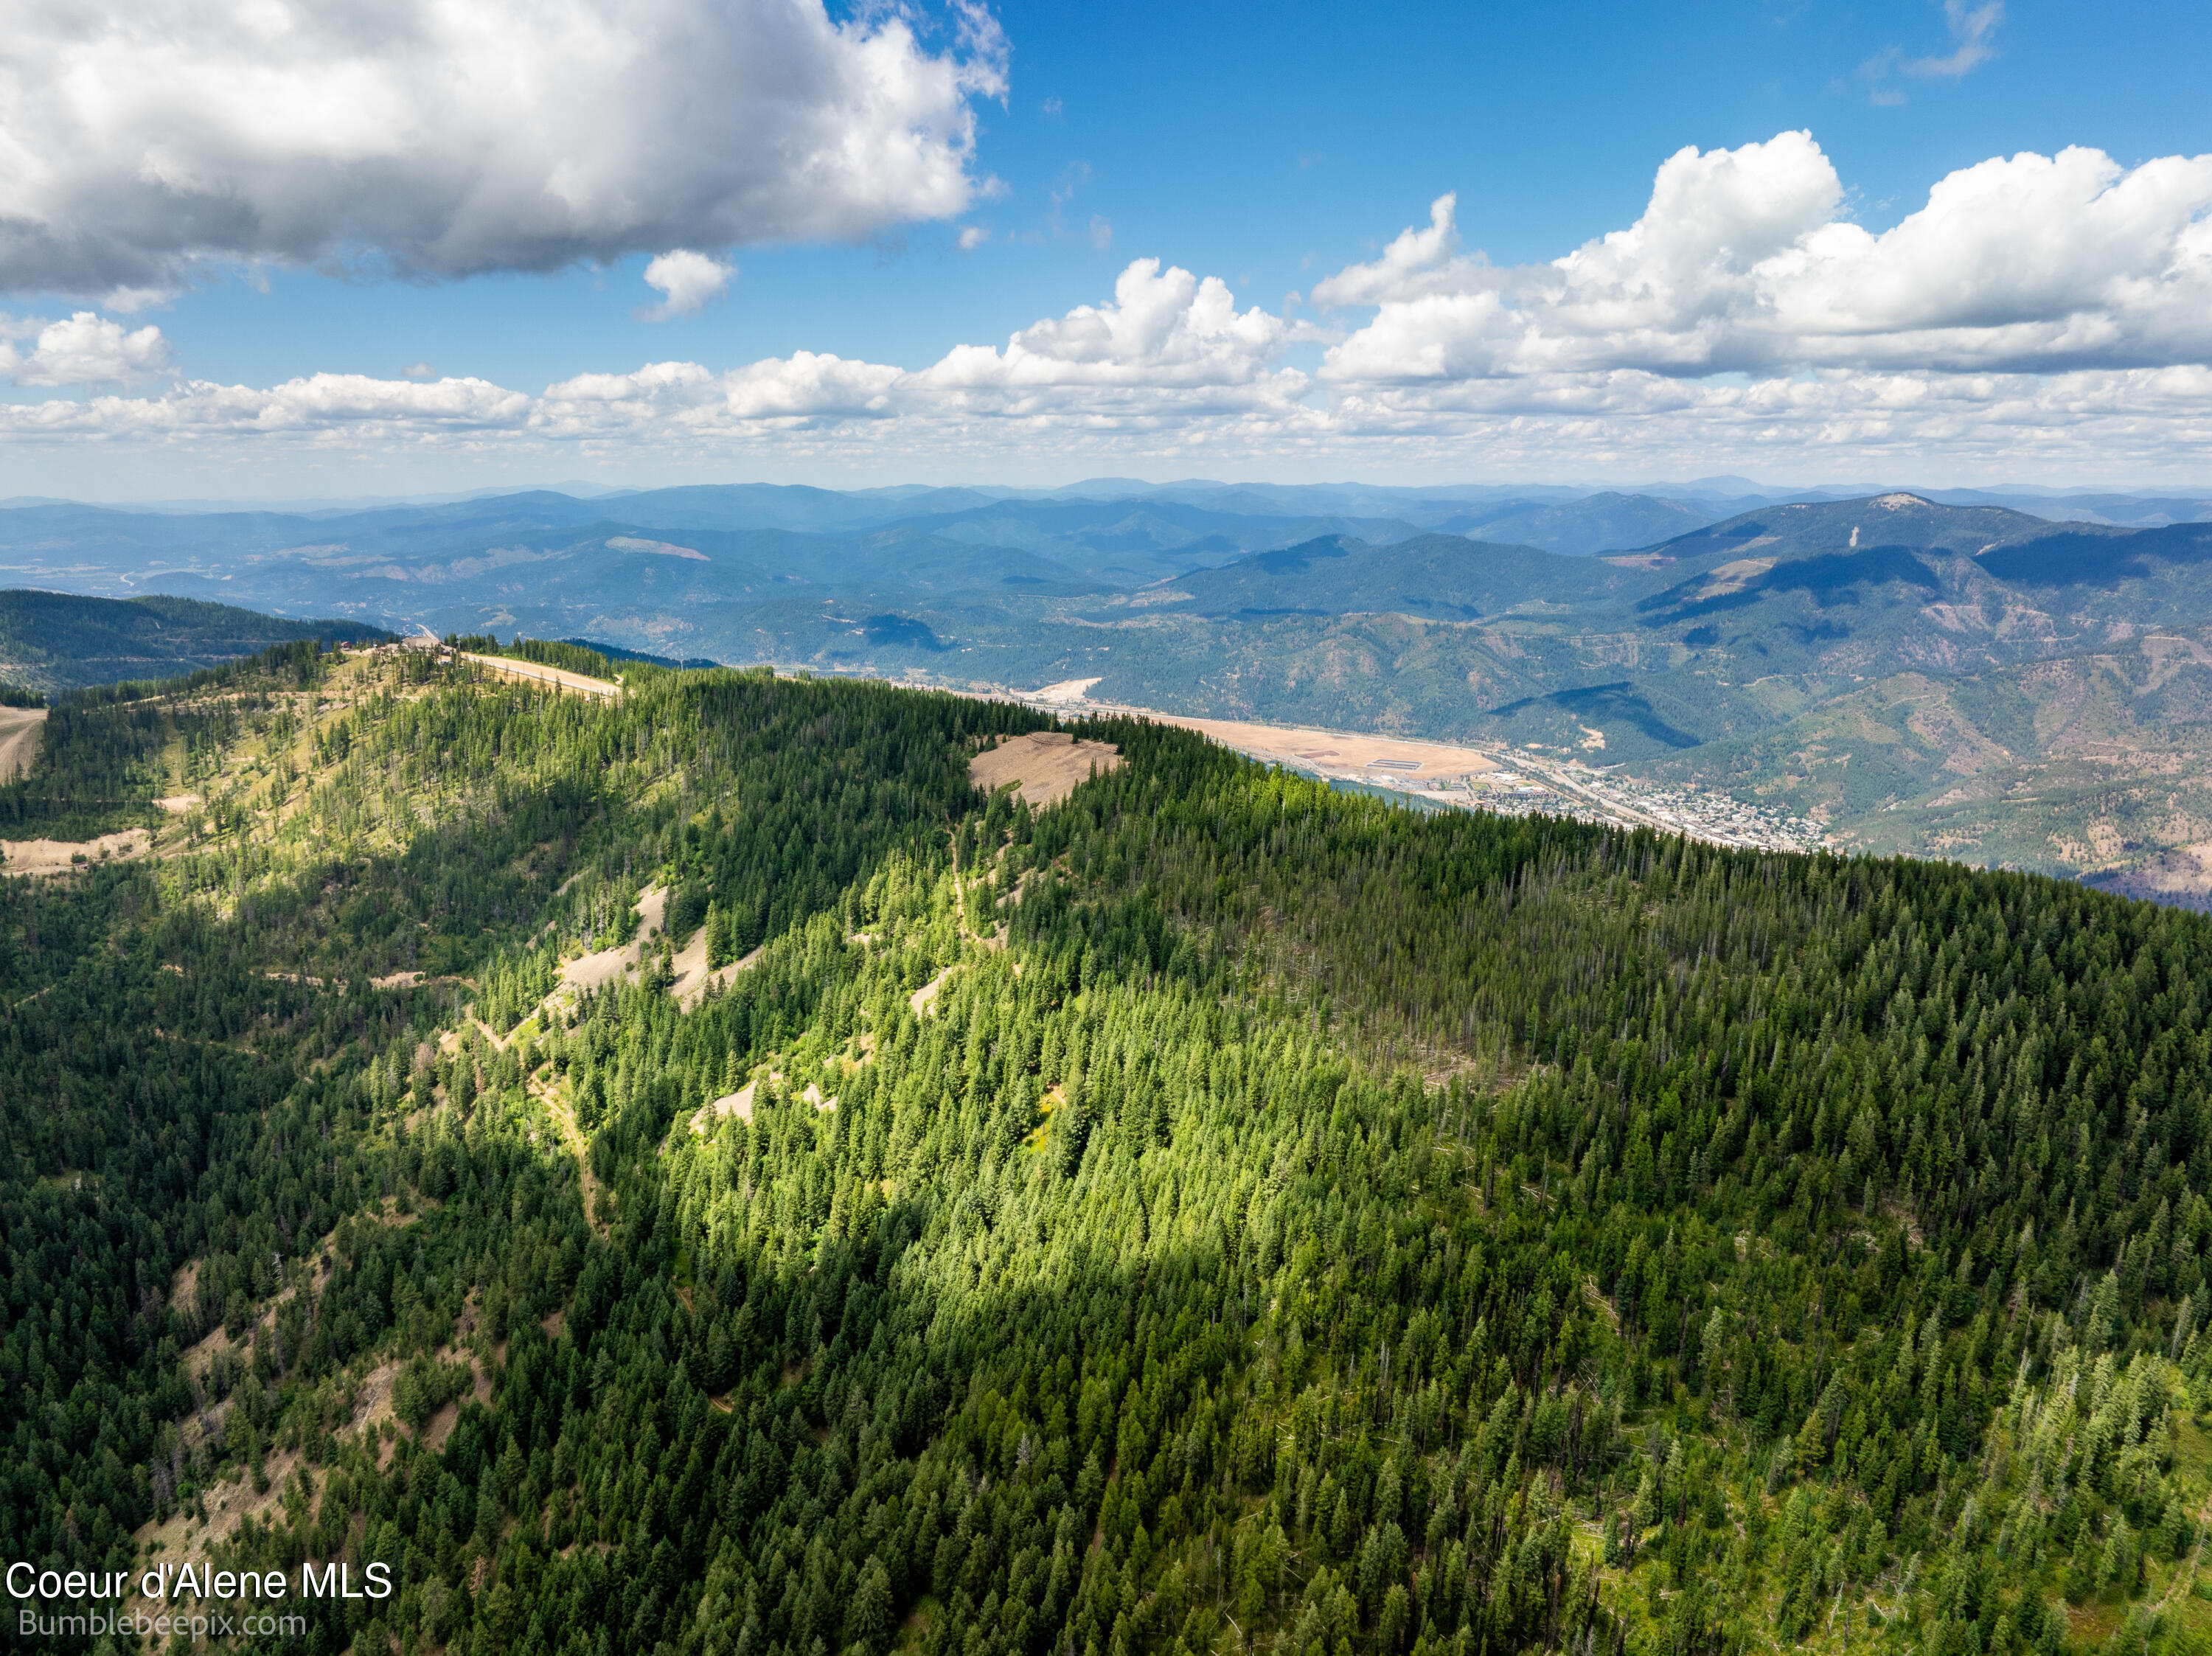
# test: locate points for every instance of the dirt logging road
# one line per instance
(511, 667)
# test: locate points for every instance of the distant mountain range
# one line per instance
(2012, 676)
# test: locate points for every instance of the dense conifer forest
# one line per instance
(1212, 1214)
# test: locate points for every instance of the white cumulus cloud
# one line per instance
(447, 137)
(688, 282)
(1419, 262)
(84, 349)
(1743, 261)
(1170, 344)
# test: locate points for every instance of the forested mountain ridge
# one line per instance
(1212, 1215)
(55, 642)
(1798, 527)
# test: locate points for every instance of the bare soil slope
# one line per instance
(19, 730)
(1337, 753)
(508, 667)
(1045, 764)
(60, 856)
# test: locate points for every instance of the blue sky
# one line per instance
(1269, 148)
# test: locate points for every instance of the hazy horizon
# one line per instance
(1724, 487)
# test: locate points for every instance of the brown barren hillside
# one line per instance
(20, 729)
(1045, 764)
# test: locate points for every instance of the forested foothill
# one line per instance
(51, 642)
(1214, 1214)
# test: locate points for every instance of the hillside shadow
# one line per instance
(2074, 559)
(1618, 702)
(902, 632)
(1832, 579)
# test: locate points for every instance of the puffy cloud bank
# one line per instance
(2037, 312)
(450, 138)
(84, 349)
(1742, 262)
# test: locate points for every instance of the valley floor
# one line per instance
(1493, 776)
